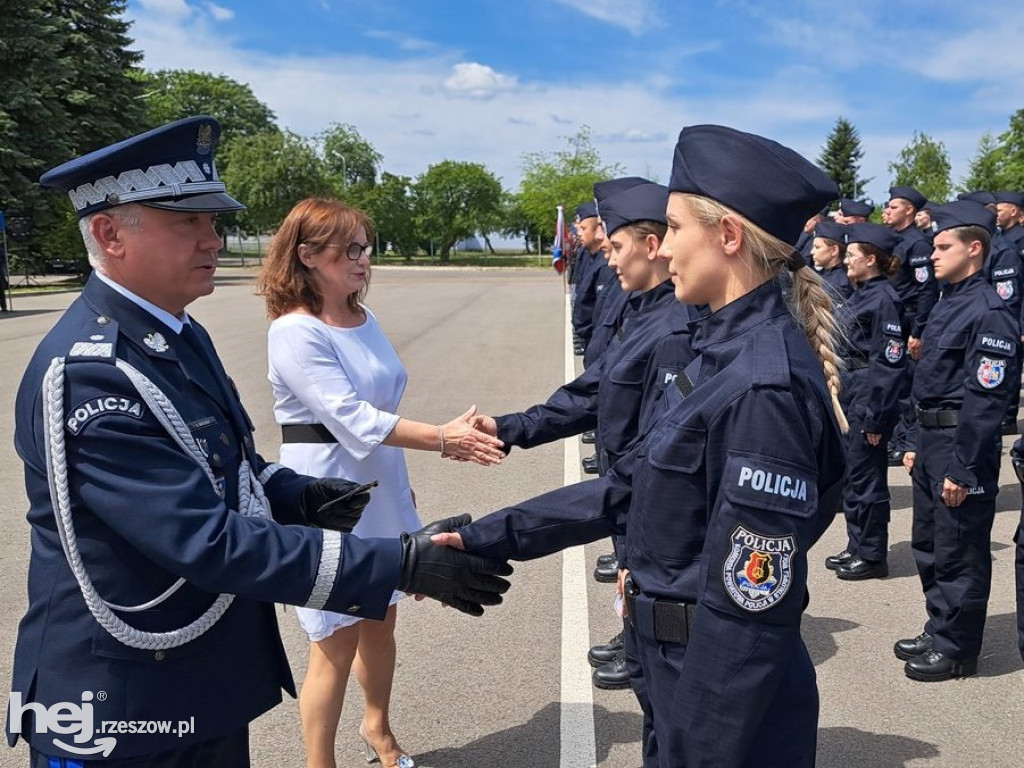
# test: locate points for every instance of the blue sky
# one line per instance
(489, 80)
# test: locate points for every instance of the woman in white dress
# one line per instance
(337, 385)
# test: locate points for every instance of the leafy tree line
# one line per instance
(72, 83)
(923, 162)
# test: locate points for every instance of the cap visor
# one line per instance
(214, 202)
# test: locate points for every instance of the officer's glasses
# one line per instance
(354, 250)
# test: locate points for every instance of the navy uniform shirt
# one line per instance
(609, 395)
(583, 302)
(720, 503)
(1011, 238)
(612, 308)
(915, 281)
(837, 283)
(145, 514)
(876, 355)
(804, 245)
(970, 363)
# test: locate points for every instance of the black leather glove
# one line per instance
(334, 503)
(459, 579)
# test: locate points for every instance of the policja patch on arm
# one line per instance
(759, 569)
(108, 405)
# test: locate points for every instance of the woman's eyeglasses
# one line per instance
(354, 250)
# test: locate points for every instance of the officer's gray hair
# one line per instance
(128, 216)
(809, 301)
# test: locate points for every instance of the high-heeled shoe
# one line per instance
(404, 761)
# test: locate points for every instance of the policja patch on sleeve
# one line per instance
(103, 406)
(759, 570)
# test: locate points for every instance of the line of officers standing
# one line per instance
(930, 311)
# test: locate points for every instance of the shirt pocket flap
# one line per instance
(957, 339)
(628, 372)
(681, 450)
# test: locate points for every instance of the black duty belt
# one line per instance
(667, 620)
(938, 418)
(306, 433)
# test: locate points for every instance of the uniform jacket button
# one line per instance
(160, 655)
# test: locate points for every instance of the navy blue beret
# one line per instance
(644, 202)
(978, 196)
(909, 194)
(586, 211)
(883, 238)
(830, 229)
(1009, 197)
(963, 213)
(605, 189)
(168, 167)
(855, 208)
(769, 184)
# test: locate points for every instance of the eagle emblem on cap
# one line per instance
(204, 139)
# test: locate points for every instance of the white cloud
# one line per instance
(219, 12)
(478, 81)
(172, 9)
(632, 15)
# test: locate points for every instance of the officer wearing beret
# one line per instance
(1010, 218)
(589, 256)
(970, 365)
(874, 376)
(853, 211)
(915, 283)
(735, 481)
(828, 248)
(160, 538)
(806, 239)
(610, 395)
(978, 196)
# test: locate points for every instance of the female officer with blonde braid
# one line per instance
(736, 479)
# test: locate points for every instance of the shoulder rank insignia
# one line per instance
(759, 570)
(156, 342)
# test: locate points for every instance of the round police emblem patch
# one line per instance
(921, 274)
(894, 350)
(991, 372)
(1005, 289)
(759, 570)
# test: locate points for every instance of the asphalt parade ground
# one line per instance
(512, 689)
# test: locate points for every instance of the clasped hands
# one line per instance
(465, 440)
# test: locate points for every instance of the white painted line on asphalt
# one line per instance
(578, 748)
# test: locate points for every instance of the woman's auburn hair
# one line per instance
(285, 283)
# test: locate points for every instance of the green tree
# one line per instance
(269, 173)
(985, 171)
(1011, 174)
(515, 222)
(455, 200)
(565, 177)
(171, 94)
(924, 165)
(840, 159)
(390, 205)
(349, 158)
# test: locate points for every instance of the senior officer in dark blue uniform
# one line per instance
(875, 370)
(734, 483)
(1009, 211)
(160, 538)
(971, 362)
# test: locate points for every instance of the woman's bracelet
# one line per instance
(440, 432)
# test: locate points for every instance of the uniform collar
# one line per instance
(165, 317)
(967, 282)
(646, 300)
(872, 282)
(739, 316)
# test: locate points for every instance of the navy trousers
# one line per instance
(866, 494)
(952, 549)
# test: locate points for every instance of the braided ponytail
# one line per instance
(810, 303)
